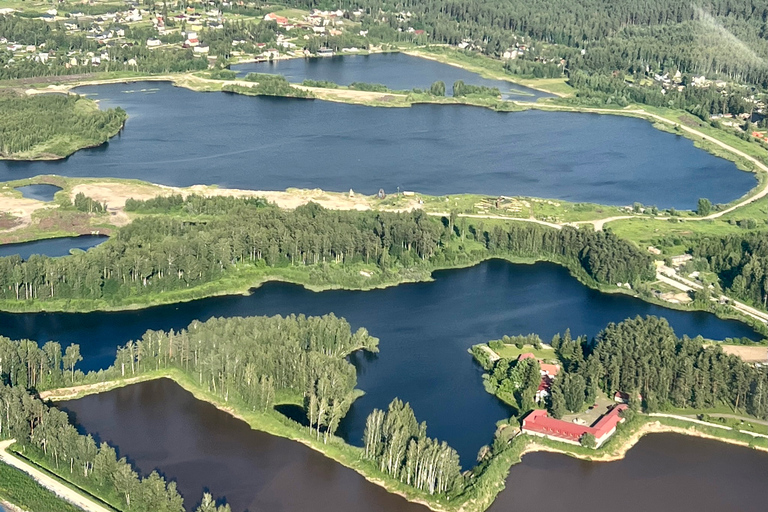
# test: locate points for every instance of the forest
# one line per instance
(644, 358)
(161, 253)
(57, 123)
(741, 263)
(713, 37)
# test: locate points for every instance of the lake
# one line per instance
(397, 71)
(425, 330)
(158, 425)
(178, 137)
(53, 247)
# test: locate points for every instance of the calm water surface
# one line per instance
(158, 425)
(53, 247)
(664, 472)
(425, 330)
(179, 137)
(41, 191)
(395, 70)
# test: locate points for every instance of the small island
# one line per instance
(53, 126)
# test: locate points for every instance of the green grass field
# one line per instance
(21, 489)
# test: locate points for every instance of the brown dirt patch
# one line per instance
(753, 354)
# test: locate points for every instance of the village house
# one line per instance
(538, 423)
(548, 374)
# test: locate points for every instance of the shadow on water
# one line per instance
(163, 427)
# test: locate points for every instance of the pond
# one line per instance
(53, 247)
(40, 191)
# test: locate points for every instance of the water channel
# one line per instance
(425, 330)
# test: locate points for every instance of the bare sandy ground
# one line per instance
(20, 207)
(751, 354)
(115, 194)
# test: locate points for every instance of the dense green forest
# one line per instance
(713, 37)
(54, 123)
(741, 263)
(643, 358)
(160, 253)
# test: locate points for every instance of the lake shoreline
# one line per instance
(472, 502)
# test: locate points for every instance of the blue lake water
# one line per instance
(53, 247)
(179, 137)
(425, 330)
(397, 71)
(41, 192)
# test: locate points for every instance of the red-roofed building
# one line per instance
(539, 423)
(549, 369)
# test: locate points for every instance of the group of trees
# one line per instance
(399, 445)
(252, 360)
(160, 253)
(246, 360)
(643, 358)
(45, 433)
(514, 382)
(741, 263)
(461, 89)
(268, 85)
(38, 121)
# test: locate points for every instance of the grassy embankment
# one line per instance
(487, 479)
(21, 490)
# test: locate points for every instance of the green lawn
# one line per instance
(21, 489)
(512, 352)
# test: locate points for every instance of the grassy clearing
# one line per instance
(23, 491)
(512, 352)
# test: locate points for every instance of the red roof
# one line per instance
(551, 369)
(539, 421)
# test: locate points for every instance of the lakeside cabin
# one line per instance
(538, 423)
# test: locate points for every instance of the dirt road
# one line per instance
(48, 482)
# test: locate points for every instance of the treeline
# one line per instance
(703, 102)
(643, 358)
(461, 89)
(714, 37)
(31, 121)
(268, 85)
(253, 360)
(44, 433)
(194, 204)
(640, 357)
(157, 254)
(399, 445)
(741, 263)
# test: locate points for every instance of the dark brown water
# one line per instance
(158, 425)
(664, 472)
